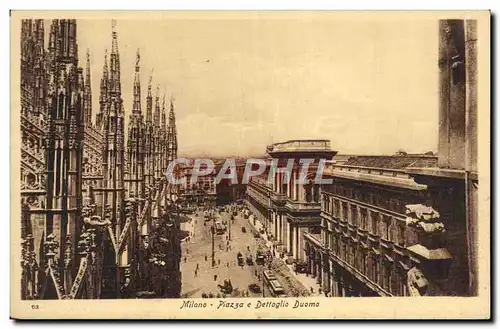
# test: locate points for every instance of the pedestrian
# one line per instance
(218, 261)
(195, 273)
(215, 277)
(185, 259)
(206, 258)
(227, 264)
(197, 266)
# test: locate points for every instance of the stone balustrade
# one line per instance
(300, 146)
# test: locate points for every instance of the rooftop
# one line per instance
(301, 146)
(382, 169)
(398, 162)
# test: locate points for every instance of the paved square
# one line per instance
(200, 246)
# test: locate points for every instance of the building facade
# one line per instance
(231, 190)
(365, 245)
(286, 207)
(91, 193)
(201, 192)
(33, 171)
(454, 184)
(398, 227)
(52, 128)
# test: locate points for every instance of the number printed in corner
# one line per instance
(35, 306)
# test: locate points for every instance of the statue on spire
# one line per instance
(113, 26)
(171, 134)
(136, 109)
(149, 101)
(137, 60)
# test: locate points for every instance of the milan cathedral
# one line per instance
(99, 219)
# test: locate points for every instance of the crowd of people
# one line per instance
(224, 245)
(212, 214)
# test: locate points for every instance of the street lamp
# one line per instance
(263, 287)
(230, 220)
(213, 237)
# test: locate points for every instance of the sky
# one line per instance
(242, 82)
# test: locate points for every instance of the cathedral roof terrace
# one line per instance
(302, 148)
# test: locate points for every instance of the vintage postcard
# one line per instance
(250, 165)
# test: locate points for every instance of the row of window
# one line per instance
(384, 225)
(258, 196)
(311, 192)
(200, 180)
(380, 271)
(376, 199)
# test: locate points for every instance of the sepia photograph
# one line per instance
(250, 164)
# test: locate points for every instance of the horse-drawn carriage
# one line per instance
(226, 288)
(249, 259)
(260, 258)
(239, 257)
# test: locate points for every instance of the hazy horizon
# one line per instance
(369, 86)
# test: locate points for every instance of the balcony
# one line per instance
(260, 180)
(303, 205)
(278, 197)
